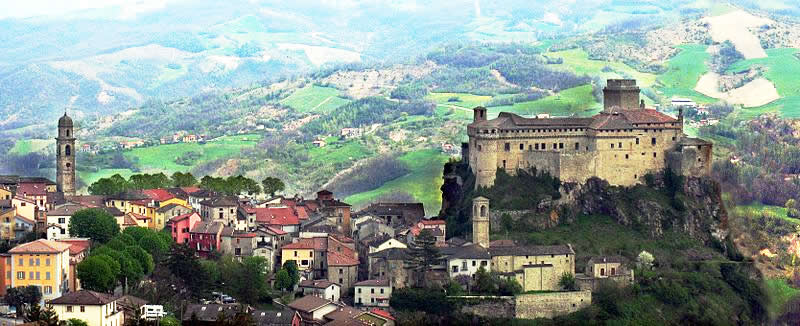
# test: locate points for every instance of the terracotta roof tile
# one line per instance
(308, 303)
(32, 188)
(276, 216)
(84, 298)
(40, 246)
(373, 283)
(158, 194)
(336, 259)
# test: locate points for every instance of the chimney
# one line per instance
(479, 114)
(641, 104)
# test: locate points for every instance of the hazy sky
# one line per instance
(30, 8)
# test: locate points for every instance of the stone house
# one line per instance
(222, 209)
(312, 309)
(238, 244)
(390, 265)
(342, 269)
(321, 288)
(58, 219)
(373, 293)
(167, 212)
(198, 196)
(601, 268)
(282, 218)
(395, 214)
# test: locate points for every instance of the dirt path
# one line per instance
(753, 94)
(321, 103)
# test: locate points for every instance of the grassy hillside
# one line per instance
(782, 68)
(683, 72)
(577, 60)
(577, 100)
(313, 98)
(26, 146)
(163, 157)
(422, 182)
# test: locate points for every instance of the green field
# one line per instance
(467, 101)
(422, 182)
(577, 100)
(30, 145)
(783, 67)
(90, 177)
(683, 72)
(313, 98)
(774, 211)
(577, 61)
(162, 157)
(779, 293)
(334, 152)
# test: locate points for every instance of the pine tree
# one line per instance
(423, 255)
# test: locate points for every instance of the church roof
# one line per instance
(65, 121)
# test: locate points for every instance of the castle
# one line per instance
(621, 144)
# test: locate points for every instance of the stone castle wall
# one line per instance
(549, 305)
(574, 156)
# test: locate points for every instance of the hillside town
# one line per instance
(345, 264)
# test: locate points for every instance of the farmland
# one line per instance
(313, 98)
(683, 72)
(576, 100)
(162, 157)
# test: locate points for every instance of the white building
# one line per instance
(467, 260)
(374, 293)
(322, 288)
(58, 221)
(96, 309)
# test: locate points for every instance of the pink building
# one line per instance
(181, 225)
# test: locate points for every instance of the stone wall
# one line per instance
(488, 306)
(540, 278)
(589, 283)
(549, 305)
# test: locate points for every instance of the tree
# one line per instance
(272, 185)
(18, 297)
(182, 262)
(283, 281)
(645, 260)
(94, 223)
(293, 270)
(170, 321)
(154, 244)
(95, 274)
(78, 322)
(142, 257)
(791, 208)
(423, 255)
(567, 282)
(32, 313)
(109, 186)
(183, 179)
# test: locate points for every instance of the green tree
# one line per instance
(183, 179)
(271, 185)
(78, 322)
(109, 186)
(144, 259)
(170, 321)
(423, 255)
(32, 314)
(183, 262)
(94, 223)
(20, 296)
(293, 270)
(567, 282)
(130, 271)
(95, 274)
(283, 281)
(154, 244)
(137, 232)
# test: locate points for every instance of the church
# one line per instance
(621, 144)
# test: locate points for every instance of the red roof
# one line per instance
(276, 216)
(646, 115)
(158, 194)
(190, 190)
(181, 217)
(32, 188)
(141, 202)
(276, 230)
(382, 313)
(302, 213)
(304, 243)
(76, 246)
(244, 235)
(337, 259)
(433, 222)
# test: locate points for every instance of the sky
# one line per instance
(33, 8)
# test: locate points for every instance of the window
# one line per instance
(48, 290)
(372, 290)
(69, 308)
(67, 150)
(637, 141)
(613, 271)
(37, 261)
(555, 146)
(340, 281)
(474, 263)
(560, 145)
(381, 290)
(220, 215)
(359, 290)
(612, 146)
(508, 147)
(543, 146)
(521, 146)
(504, 164)
(295, 253)
(341, 271)
(30, 261)
(464, 265)
(20, 261)
(46, 275)
(30, 275)
(455, 269)
(673, 138)
(653, 141)
(654, 154)
(536, 146)
(83, 309)
(620, 145)
(304, 262)
(480, 148)
(62, 220)
(38, 275)
(20, 275)
(577, 146)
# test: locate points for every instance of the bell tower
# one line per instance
(65, 156)
(480, 221)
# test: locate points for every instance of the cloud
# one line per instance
(33, 8)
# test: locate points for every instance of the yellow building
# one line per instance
(302, 252)
(42, 263)
(96, 309)
(166, 212)
(7, 217)
(6, 194)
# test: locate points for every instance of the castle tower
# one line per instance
(480, 221)
(65, 156)
(478, 114)
(621, 93)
